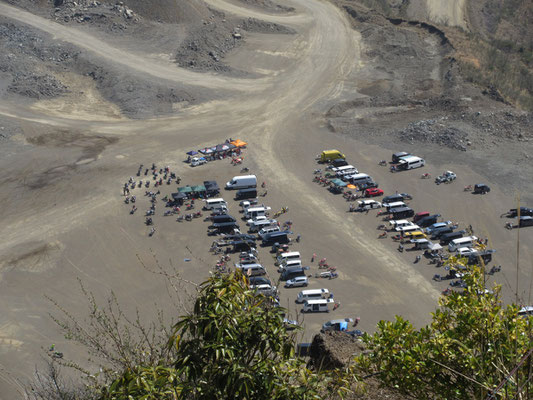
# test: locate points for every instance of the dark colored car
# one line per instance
(291, 273)
(481, 188)
(448, 237)
(368, 185)
(525, 221)
(259, 280)
(242, 245)
(437, 233)
(396, 156)
(222, 218)
(250, 193)
(427, 221)
(401, 212)
(338, 162)
(419, 215)
(276, 237)
(219, 225)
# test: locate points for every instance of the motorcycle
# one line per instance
(149, 221)
(245, 169)
(382, 235)
(197, 214)
(382, 162)
(180, 218)
(425, 176)
(152, 231)
(188, 217)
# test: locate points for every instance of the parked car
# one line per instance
(429, 220)
(196, 161)
(368, 205)
(419, 215)
(299, 281)
(438, 232)
(335, 324)
(338, 162)
(481, 188)
(396, 157)
(373, 192)
(446, 177)
(437, 225)
(290, 324)
(368, 185)
(258, 280)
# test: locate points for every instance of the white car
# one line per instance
(259, 218)
(299, 281)
(196, 161)
(368, 204)
(466, 251)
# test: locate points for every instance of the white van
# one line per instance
(242, 182)
(396, 204)
(291, 255)
(317, 305)
(346, 170)
(215, 203)
(411, 162)
(358, 179)
(399, 223)
(408, 228)
(467, 241)
(253, 270)
(268, 229)
(313, 294)
(289, 264)
(253, 212)
(256, 226)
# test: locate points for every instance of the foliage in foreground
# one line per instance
(474, 347)
(233, 345)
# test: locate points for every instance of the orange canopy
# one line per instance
(238, 143)
(350, 186)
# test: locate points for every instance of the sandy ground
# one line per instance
(64, 218)
(447, 12)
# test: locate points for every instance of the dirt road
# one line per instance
(64, 217)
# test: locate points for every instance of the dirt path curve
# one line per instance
(160, 69)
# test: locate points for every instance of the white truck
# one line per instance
(242, 182)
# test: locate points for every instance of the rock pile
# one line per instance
(434, 131)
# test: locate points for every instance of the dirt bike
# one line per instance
(382, 235)
(425, 176)
(382, 162)
(245, 169)
(467, 188)
(180, 218)
(152, 231)
(197, 214)
(188, 217)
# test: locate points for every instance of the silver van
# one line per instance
(467, 241)
(317, 305)
(268, 229)
(288, 264)
(215, 203)
(253, 270)
(313, 294)
(291, 255)
(358, 179)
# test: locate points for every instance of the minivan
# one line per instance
(296, 282)
(407, 228)
(222, 218)
(358, 179)
(252, 212)
(289, 264)
(250, 193)
(313, 294)
(410, 162)
(317, 305)
(438, 232)
(215, 203)
(467, 241)
(419, 215)
(291, 273)
(257, 226)
(396, 204)
(281, 237)
(427, 221)
(291, 255)
(268, 229)
(392, 198)
(399, 223)
(448, 237)
(253, 270)
(401, 212)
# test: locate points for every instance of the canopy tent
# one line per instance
(224, 147)
(351, 186)
(191, 153)
(185, 189)
(338, 182)
(179, 196)
(207, 150)
(238, 143)
(198, 189)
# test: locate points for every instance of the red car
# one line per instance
(373, 192)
